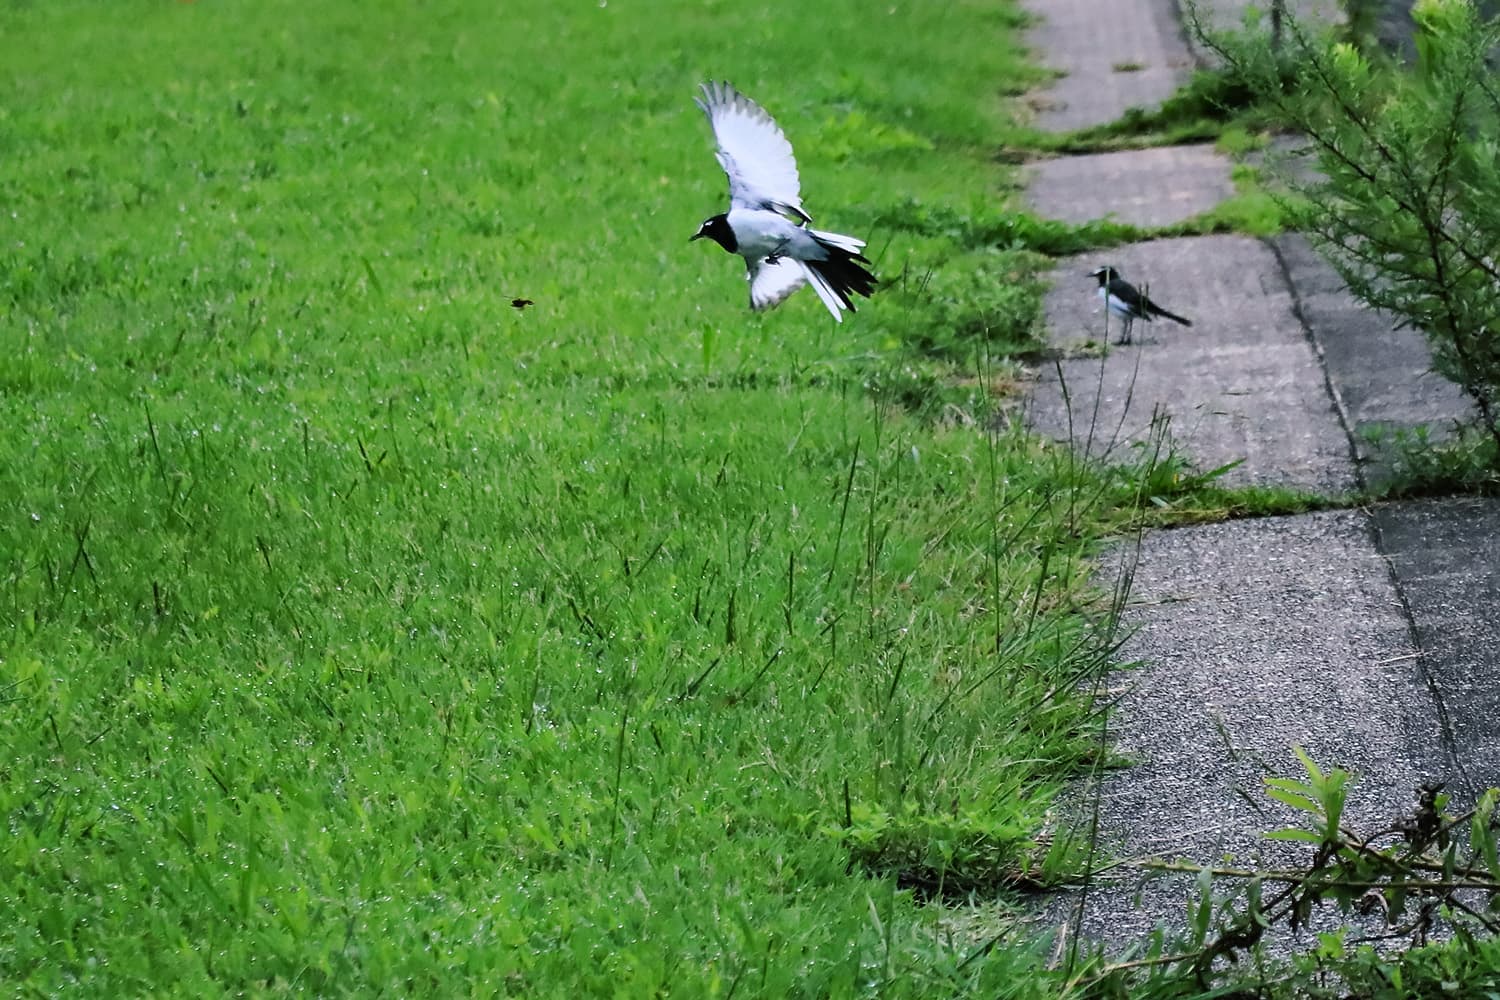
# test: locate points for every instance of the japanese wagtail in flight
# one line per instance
(1125, 301)
(766, 223)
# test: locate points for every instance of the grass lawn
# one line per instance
(363, 633)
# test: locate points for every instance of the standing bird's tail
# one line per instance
(1155, 310)
(840, 273)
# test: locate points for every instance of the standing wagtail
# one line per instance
(1126, 301)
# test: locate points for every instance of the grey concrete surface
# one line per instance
(1254, 637)
(1229, 15)
(1243, 383)
(1128, 186)
(1370, 638)
(1113, 56)
(1382, 377)
(1446, 555)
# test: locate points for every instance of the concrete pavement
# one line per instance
(1445, 558)
(1253, 637)
(1369, 636)
(1126, 186)
(1243, 384)
(1381, 378)
(1112, 56)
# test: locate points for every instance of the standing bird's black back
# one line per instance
(1127, 302)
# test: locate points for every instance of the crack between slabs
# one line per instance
(1372, 528)
(1346, 423)
(1445, 723)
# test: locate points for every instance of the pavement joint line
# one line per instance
(1440, 706)
(1406, 610)
(1357, 459)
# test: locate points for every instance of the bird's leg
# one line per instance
(774, 257)
(1125, 335)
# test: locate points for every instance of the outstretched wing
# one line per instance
(771, 284)
(753, 152)
(832, 298)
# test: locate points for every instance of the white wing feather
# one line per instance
(770, 284)
(753, 151)
(828, 295)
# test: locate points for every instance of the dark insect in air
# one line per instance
(522, 303)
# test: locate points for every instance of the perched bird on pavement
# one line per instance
(766, 223)
(1125, 301)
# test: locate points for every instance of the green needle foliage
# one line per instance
(364, 632)
(1406, 207)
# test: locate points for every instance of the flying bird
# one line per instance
(1126, 301)
(766, 223)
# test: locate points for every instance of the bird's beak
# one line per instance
(696, 236)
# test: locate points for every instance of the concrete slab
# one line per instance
(1382, 377)
(1230, 15)
(1129, 185)
(1254, 637)
(1372, 639)
(1242, 384)
(1446, 555)
(1222, 15)
(1114, 56)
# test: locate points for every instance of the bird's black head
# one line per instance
(1105, 274)
(718, 230)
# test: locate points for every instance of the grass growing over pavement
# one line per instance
(364, 632)
(1426, 461)
(1208, 104)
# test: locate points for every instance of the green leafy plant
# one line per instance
(1421, 463)
(1409, 201)
(1433, 872)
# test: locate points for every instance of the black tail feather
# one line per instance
(842, 271)
(1159, 311)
